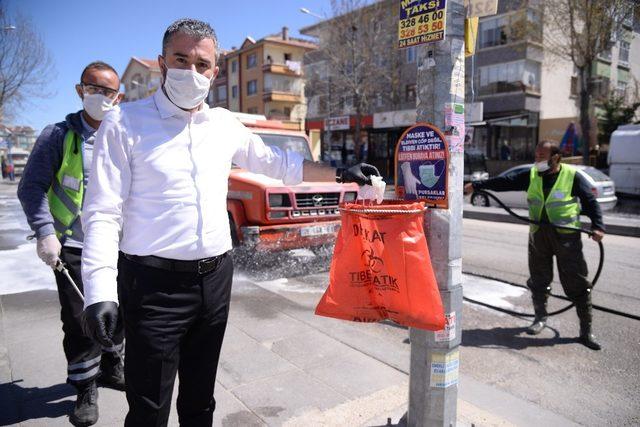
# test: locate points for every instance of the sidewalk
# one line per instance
(280, 365)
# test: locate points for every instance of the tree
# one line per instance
(358, 59)
(25, 64)
(615, 113)
(583, 30)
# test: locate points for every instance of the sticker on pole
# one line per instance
(421, 164)
(421, 21)
(449, 332)
(444, 369)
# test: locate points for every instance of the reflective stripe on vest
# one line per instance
(561, 207)
(67, 189)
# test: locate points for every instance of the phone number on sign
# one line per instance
(424, 24)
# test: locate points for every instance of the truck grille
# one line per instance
(313, 200)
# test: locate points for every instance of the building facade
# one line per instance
(264, 77)
(141, 78)
(527, 92)
(391, 111)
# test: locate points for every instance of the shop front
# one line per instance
(379, 135)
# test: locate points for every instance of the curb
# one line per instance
(617, 228)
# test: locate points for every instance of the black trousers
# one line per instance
(174, 323)
(546, 243)
(83, 354)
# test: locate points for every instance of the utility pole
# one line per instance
(433, 380)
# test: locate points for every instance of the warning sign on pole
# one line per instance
(422, 160)
(421, 21)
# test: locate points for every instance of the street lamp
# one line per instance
(308, 12)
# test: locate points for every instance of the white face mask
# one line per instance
(97, 105)
(542, 166)
(186, 88)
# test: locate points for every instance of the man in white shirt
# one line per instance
(157, 232)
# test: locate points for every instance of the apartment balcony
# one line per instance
(290, 68)
(273, 95)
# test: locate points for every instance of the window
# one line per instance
(252, 87)
(510, 77)
(410, 93)
(234, 66)
(221, 93)
(287, 57)
(287, 111)
(499, 30)
(411, 54)
(623, 56)
(575, 89)
(252, 110)
(621, 89)
(234, 91)
(493, 32)
(296, 144)
(601, 86)
(252, 60)
(606, 54)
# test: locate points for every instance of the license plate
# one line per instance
(317, 230)
(607, 190)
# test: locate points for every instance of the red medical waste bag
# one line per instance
(381, 268)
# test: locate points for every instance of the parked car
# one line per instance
(475, 166)
(601, 186)
(624, 159)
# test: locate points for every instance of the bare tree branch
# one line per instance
(359, 60)
(25, 64)
(583, 30)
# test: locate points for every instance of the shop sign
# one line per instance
(336, 123)
(473, 112)
(480, 7)
(421, 164)
(393, 119)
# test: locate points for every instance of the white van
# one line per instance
(624, 159)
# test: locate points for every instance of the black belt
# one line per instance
(201, 266)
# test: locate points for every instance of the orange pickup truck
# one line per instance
(266, 215)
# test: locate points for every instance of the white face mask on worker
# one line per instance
(542, 166)
(97, 105)
(186, 88)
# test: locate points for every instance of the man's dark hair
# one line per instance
(98, 65)
(554, 146)
(192, 27)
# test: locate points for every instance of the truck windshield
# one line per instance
(288, 142)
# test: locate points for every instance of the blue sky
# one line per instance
(78, 32)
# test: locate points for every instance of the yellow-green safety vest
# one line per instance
(67, 189)
(562, 208)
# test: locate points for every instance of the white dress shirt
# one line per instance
(159, 185)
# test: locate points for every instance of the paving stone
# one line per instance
(249, 364)
(278, 398)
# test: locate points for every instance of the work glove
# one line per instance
(100, 321)
(360, 174)
(48, 248)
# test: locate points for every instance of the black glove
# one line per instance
(360, 174)
(100, 321)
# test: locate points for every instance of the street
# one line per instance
(594, 388)
(275, 345)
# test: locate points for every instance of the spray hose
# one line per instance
(530, 221)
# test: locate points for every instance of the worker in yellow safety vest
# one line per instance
(52, 194)
(556, 195)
